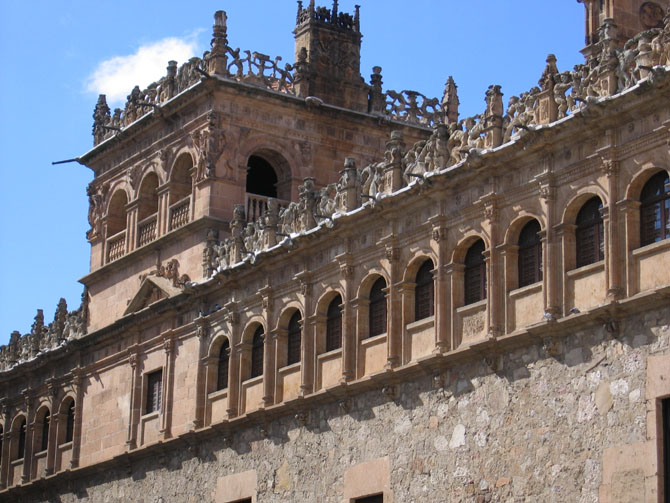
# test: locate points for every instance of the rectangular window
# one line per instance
(377, 498)
(154, 391)
(666, 448)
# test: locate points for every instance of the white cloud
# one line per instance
(117, 76)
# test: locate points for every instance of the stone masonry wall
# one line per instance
(536, 430)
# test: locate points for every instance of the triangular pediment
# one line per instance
(152, 289)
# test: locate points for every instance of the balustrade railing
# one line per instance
(146, 230)
(257, 205)
(116, 246)
(179, 213)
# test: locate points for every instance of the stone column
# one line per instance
(307, 355)
(565, 236)
(234, 377)
(349, 337)
(630, 239)
(163, 218)
(455, 280)
(510, 257)
(202, 385)
(4, 453)
(77, 381)
(135, 396)
(394, 318)
(614, 241)
(30, 428)
(442, 292)
(279, 338)
(550, 248)
(168, 381)
(132, 211)
(52, 441)
(495, 280)
(243, 354)
(308, 333)
(406, 294)
(268, 361)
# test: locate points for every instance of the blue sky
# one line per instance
(57, 56)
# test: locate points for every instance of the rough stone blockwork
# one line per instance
(532, 431)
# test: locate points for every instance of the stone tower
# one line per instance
(328, 55)
(625, 17)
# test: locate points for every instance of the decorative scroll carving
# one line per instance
(43, 338)
(412, 106)
(169, 271)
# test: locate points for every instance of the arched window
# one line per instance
(261, 177)
(475, 273)
(45, 431)
(530, 254)
(424, 292)
(294, 339)
(257, 353)
(116, 213)
(69, 423)
(224, 363)
(334, 324)
(590, 234)
(21, 450)
(378, 308)
(655, 209)
(180, 178)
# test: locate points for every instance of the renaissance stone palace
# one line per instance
(305, 287)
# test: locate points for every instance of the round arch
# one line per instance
(575, 204)
(515, 227)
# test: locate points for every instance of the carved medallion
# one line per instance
(651, 15)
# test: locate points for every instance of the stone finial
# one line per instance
(547, 80)
(101, 117)
(172, 69)
(376, 94)
(349, 186)
(334, 13)
(493, 117)
(301, 74)
(217, 59)
(608, 30)
(357, 18)
(237, 231)
(450, 102)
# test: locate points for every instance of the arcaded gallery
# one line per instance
(305, 287)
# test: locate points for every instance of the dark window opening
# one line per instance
(377, 498)
(22, 440)
(224, 363)
(530, 254)
(475, 273)
(666, 448)
(655, 209)
(294, 339)
(590, 233)
(69, 426)
(261, 177)
(424, 292)
(334, 324)
(154, 391)
(378, 308)
(257, 353)
(45, 431)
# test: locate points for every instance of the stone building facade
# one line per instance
(304, 287)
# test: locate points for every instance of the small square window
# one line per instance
(377, 498)
(154, 391)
